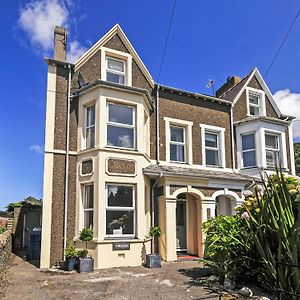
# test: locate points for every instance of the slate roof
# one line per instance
(193, 172)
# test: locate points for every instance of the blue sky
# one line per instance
(208, 40)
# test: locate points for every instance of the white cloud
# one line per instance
(75, 51)
(38, 19)
(37, 148)
(289, 104)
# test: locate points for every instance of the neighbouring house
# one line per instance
(123, 152)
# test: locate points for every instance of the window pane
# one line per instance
(90, 137)
(254, 99)
(119, 222)
(249, 159)
(116, 78)
(120, 137)
(271, 141)
(177, 134)
(90, 115)
(248, 142)
(254, 111)
(272, 158)
(212, 158)
(88, 219)
(211, 140)
(120, 114)
(177, 152)
(121, 196)
(88, 196)
(115, 65)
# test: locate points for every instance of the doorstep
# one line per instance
(186, 257)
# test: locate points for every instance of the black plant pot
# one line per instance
(70, 263)
(153, 260)
(85, 264)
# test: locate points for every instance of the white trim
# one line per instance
(292, 151)
(117, 55)
(188, 139)
(262, 101)
(116, 29)
(221, 137)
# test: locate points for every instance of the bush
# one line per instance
(229, 250)
(155, 231)
(70, 250)
(85, 235)
(2, 229)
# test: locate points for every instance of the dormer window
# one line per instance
(115, 70)
(255, 102)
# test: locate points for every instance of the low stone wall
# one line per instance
(5, 255)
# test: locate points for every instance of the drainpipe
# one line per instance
(232, 140)
(157, 124)
(67, 161)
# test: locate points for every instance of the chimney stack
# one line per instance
(231, 82)
(60, 43)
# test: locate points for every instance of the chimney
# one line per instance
(60, 43)
(231, 82)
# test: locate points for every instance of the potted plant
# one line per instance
(85, 263)
(71, 254)
(153, 260)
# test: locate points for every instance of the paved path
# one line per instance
(172, 281)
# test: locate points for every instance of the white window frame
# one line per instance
(89, 127)
(188, 139)
(216, 149)
(117, 55)
(179, 144)
(121, 208)
(261, 106)
(115, 124)
(279, 150)
(114, 71)
(221, 133)
(248, 150)
(83, 201)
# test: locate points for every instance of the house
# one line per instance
(123, 153)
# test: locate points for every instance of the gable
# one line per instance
(116, 39)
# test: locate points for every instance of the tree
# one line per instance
(28, 201)
(297, 158)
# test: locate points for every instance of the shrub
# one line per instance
(155, 231)
(275, 227)
(85, 235)
(2, 229)
(70, 250)
(229, 249)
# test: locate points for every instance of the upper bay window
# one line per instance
(90, 127)
(177, 144)
(212, 149)
(248, 150)
(272, 149)
(115, 70)
(120, 126)
(120, 210)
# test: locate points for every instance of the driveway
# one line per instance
(173, 281)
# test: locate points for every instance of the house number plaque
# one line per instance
(121, 246)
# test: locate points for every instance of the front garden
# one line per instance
(260, 245)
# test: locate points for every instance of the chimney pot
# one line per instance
(230, 82)
(60, 43)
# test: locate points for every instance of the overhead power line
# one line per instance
(282, 43)
(167, 39)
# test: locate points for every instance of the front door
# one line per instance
(181, 226)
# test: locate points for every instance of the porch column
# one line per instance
(171, 254)
(199, 227)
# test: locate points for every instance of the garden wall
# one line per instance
(5, 254)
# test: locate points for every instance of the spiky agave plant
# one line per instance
(275, 225)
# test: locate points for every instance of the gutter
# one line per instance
(67, 159)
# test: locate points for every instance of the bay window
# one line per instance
(90, 127)
(88, 205)
(177, 144)
(248, 150)
(272, 149)
(120, 126)
(120, 210)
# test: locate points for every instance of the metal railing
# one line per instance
(281, 291)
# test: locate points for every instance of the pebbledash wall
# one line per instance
(5, 255)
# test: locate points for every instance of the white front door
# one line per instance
(181, 243)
